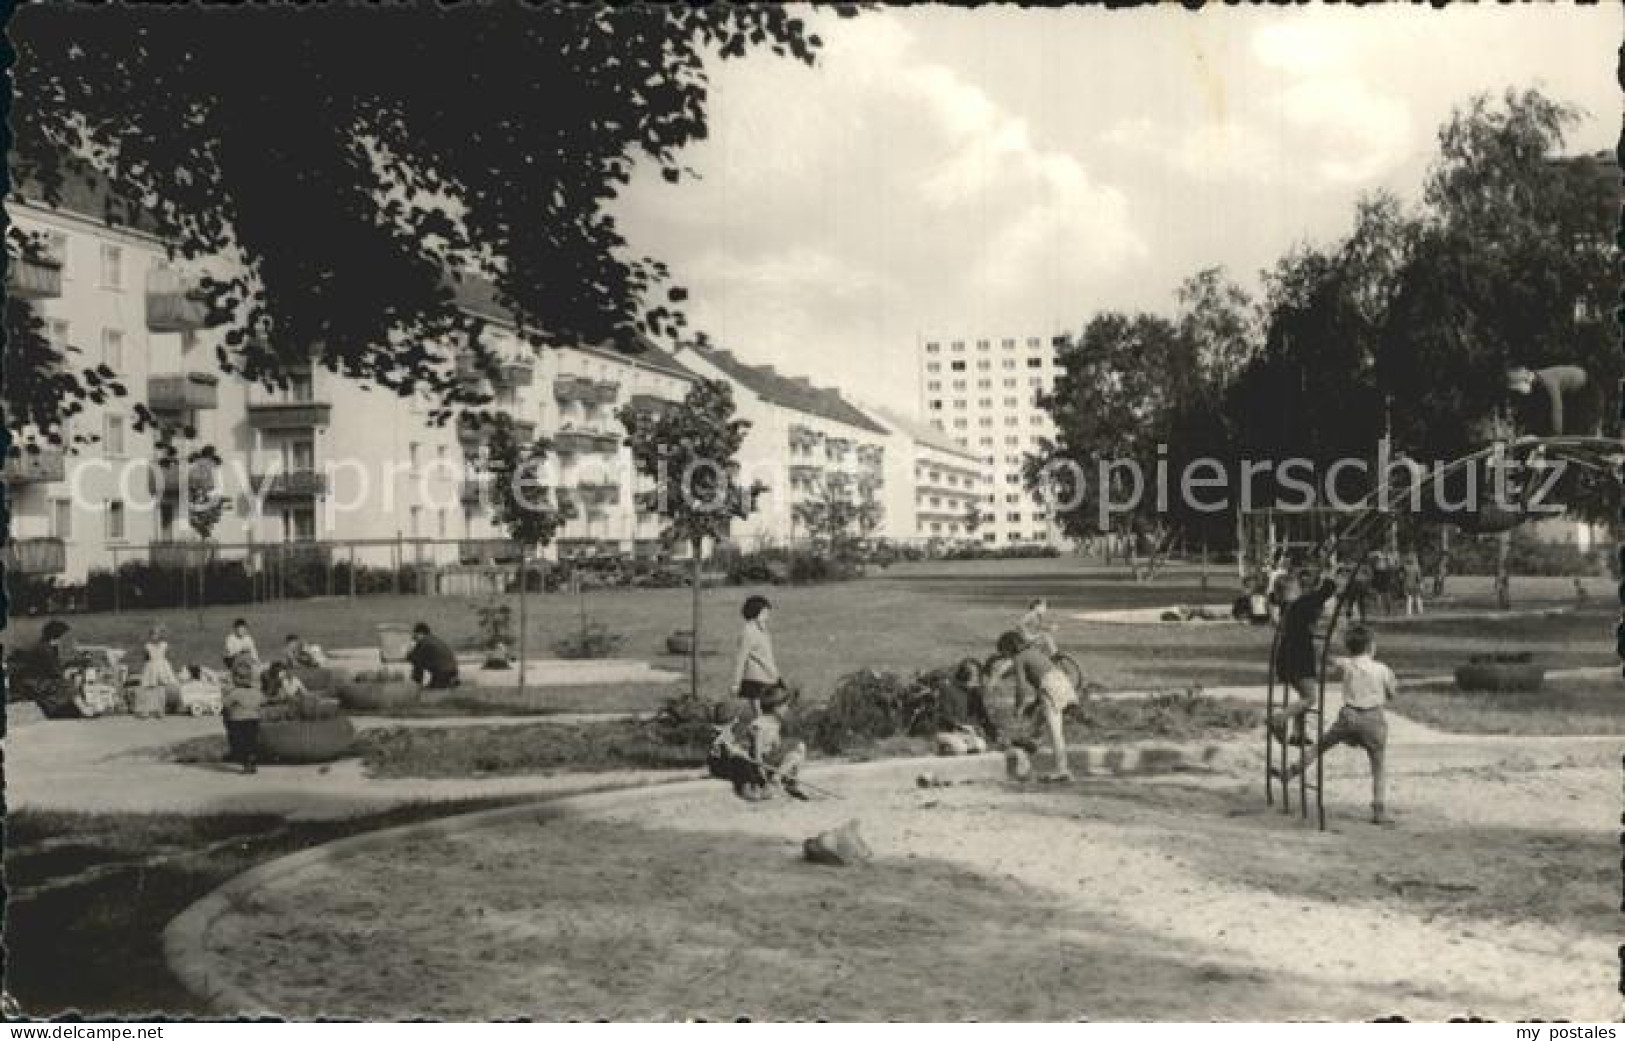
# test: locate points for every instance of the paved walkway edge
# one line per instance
(185, 938)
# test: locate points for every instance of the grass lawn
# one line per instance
(89, 895)
(907, 618)
(1563, 707)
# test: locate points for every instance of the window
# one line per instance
(983, 364)
(1013, 518)
(960, 424)
(1010, 402)
(1037, 440)
(56, 244)
(1010, 382)
(981, 345)
(987, 421)
(416, 522)
(957, 366)
(441, 523)
(1033, 341)
(1013, 499)
(932, 348)
(985, 403)
(1011, 421)
(960, 441)
(985, 441)
(1036, 381)
(1012, 439)
(115, 520)
(934, 385)
(299, 525)
(1012, 460)
(1035, 363)
(1012, 478)
(1009, 363)
(113, 435)
(412, 455)
(112, 266)
(936, 525)
(990, 536)
(299, 456)
(190, 341)
(935, 366)
(1008, 344)
(113, 349)
(984, 384)
(937, 423)
(301, 387)
(960, 404)
(936, 405)
(936, 500)
(56, 330)
(959, 384)
(62, 519)
(959, 346)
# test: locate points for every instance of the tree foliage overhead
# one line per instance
(348, 158)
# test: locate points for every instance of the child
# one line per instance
(1034, 625)
(755, 671)
(1411, 579)
(968, 677)
(241, 710)
(1367, 685)
(761, 758)
(158, 679)
(240, 641)
(1296, 663)
(281, 684)
(1055, 695)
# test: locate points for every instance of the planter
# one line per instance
(380, 697)
(394, 641)
(314, 677)
(306, 740)
(680, 643)
(1512, 676)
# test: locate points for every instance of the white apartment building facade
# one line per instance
(803, 440)
(327, 465)
(944, 487)
(982, 392)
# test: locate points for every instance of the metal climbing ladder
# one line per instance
(1367, 524)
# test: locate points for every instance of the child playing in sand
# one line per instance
(1055, 695)
(1367, 686)
(761, 758)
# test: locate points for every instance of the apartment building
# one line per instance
(804, 442)
(325, 465)
(982, 392)
(944, 487)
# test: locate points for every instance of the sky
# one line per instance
(1006, 171)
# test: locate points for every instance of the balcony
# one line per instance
(41, 467)
(174, 303)
(474, 431)
(34, 278)
(652, 404)
(165, 481)
(510, 373)
(577, 549)
(578, 442)
(183, 392)
(585, 390)
(804, 438)
(487, 551)
(290, 484)
(289, 415)
(800, 472)
(45, 556)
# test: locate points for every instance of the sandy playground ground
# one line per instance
(1179, 898)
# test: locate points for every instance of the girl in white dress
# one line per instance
(158, 673)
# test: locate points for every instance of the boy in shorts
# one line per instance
(1367, 686)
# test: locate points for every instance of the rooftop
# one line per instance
(792, 392)
(924, 433)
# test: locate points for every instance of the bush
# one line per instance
(869, 706)
(690, 721)
(594, 640)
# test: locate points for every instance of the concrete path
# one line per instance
(111, 766)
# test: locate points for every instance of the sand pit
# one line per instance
(1177, 899)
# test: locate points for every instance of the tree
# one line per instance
(974, 519)
(1112, 405)
(840, 506)
(690, 455)
(523, 503)
(253, 137)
